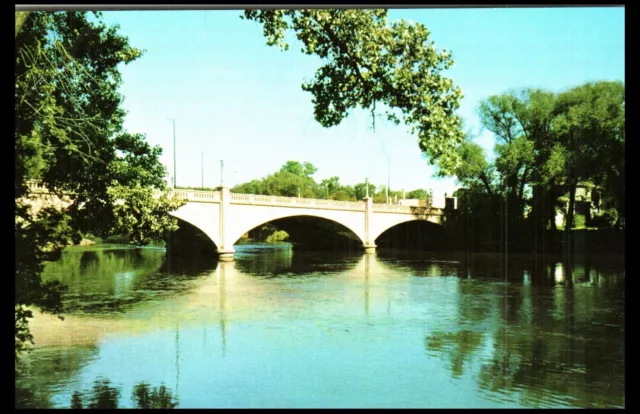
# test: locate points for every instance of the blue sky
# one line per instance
(234, 98)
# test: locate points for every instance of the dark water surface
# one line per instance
(282, 329)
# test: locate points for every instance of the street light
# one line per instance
(367, 186)
(173, 121)
(388, 176)
(221, 172)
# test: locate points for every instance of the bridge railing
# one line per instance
(391, 208)
(293, 201)
(266, 200)
(193, 195)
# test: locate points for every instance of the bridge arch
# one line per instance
(238, 228)
(225, 217)
(413, 234)
(203, 216)
(387, 222)
(189, 242)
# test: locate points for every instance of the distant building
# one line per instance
(413, 202)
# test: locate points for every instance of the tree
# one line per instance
(521, 121)
(252, 187)
(419, 194)
(590, 124)
(294, 167)
(69, 134)
(360, 190)
(21, 17)
(474, 171)
(369, 62)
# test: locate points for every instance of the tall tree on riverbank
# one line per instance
(69, 134)
(546, 144)
(369, 62)
(590, 124)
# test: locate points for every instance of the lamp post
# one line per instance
(173, 121)
(388, 177)
(221, 172)
(202, 170)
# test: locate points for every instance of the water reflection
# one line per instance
(107, 278)
(278, 260)
(501, 334)
(103, 395)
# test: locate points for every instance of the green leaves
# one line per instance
(142, 213)
(69, 133)
(370, 63)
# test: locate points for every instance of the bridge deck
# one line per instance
(265, 200)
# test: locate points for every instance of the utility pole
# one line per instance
(388, 177)
(173, 121)
(202, 170)
(367, 185)
(221, 172)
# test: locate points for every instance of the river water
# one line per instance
(282, 329)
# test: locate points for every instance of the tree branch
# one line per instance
(21, 18)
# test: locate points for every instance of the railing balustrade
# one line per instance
(254, 199)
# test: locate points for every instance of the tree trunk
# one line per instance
(572, 202)
(21, 17)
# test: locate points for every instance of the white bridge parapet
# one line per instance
(225, 216)
(266, 200)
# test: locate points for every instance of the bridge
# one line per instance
(224, 217)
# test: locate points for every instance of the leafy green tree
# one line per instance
(418, 194)
(380, 196)
(341, 195)
(360, 190)
(21, 17)
(521, 123)
(331, 185)
(474, 171)
(69, 134)
(309, 169)
(369, 62)
(294, 167)
(590, 124)
(252, 187)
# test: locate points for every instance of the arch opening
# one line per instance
(416, 235)
(310, 233)
(189, 243)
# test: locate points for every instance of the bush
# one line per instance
(607, 219)
(278, 236)
(579, 221)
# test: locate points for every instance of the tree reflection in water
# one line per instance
(105, 396)
(529, 338)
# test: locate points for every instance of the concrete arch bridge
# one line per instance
(224, 217)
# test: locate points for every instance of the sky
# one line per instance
(236, 99)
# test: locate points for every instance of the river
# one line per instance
(282, 329)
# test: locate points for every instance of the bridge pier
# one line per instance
(226, 255)
(369, 245)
